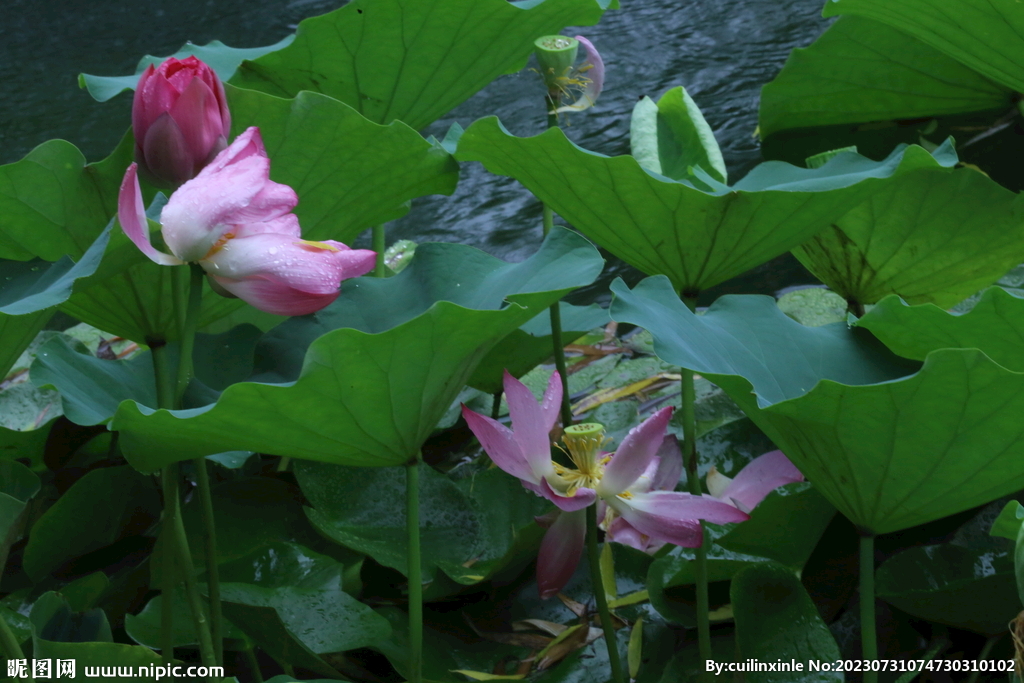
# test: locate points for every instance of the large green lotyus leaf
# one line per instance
(860, 70)
(349, 172)
(412, 60)
(985, 35)
(934, 236)
(697, 233)
(995, 325)
(364, 381)
(889, 442)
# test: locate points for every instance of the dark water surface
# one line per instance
(723, 51)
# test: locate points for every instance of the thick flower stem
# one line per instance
(165, 399)
(412, 523)
(556, 313)
(690, 461)
(869, 639)
(379, 247)
(594, 559)
(188, 338)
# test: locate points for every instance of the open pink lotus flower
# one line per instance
(237, 224)
(525, 452)
(761, 476)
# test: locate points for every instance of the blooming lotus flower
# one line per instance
(583, 83)
(237, 224)
(757, 479)
(525, 452)
(180, 119)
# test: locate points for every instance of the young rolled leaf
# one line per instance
(697, 237)
(890, 443)
(671, 137)
(861, 70)
(364, 381)
(983, 35)
(934, 236)
(424, 58)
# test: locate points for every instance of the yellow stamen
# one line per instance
(219, 244)
(317, 245)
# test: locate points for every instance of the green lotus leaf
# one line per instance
(18, 484)
(92, 514)
(890, 443)
(995, 325)
(29, 291)
(930, 237)
(1008, 523)
(364, 381)
(222, 59)
(983, 35)
(349, 173)
(672, 136)
(968, 583)
(144, 627)
(58, 633)
(860, 71)
(424, 58)
(777, 620)
(696, 237)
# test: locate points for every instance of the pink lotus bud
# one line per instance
(180, 119)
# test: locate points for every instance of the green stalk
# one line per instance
(212, 572)
(869, 640)
(185, 364)
(165, 399)
(379, 247)
(594, 558)
(985, 650)
(412, 524)
(9, 644)
(254, 665)
(556, 313)
(700, 564)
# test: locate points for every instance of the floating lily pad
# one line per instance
(861, 70)
(983, 35)
(995, 325)
(349, 173)
(933, 236)
(777, 621)
(222, 59)
(364, 381)
(889, 444)
(697, 237)
(425, 57)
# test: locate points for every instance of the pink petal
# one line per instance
(166, 159)
(623, 532)
(275, 297)
(198, 116)
(560, 552)
(551, 403)
(249, 143)
(670, 465)
(132, 214)
(528, 423)
(580, 499)
(760, 477)
(635, 453)
(156, 96)
(140, 120)
(501, 444)
(673, 516)
(595, 75)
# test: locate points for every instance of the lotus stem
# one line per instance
(188, 331)
(254, 665)
(690, 461)
(594, 559)
(412, 523)
(165, 399)
(868, 636)
(556, 313)
(380, 248)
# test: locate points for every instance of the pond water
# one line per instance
(723, 51)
